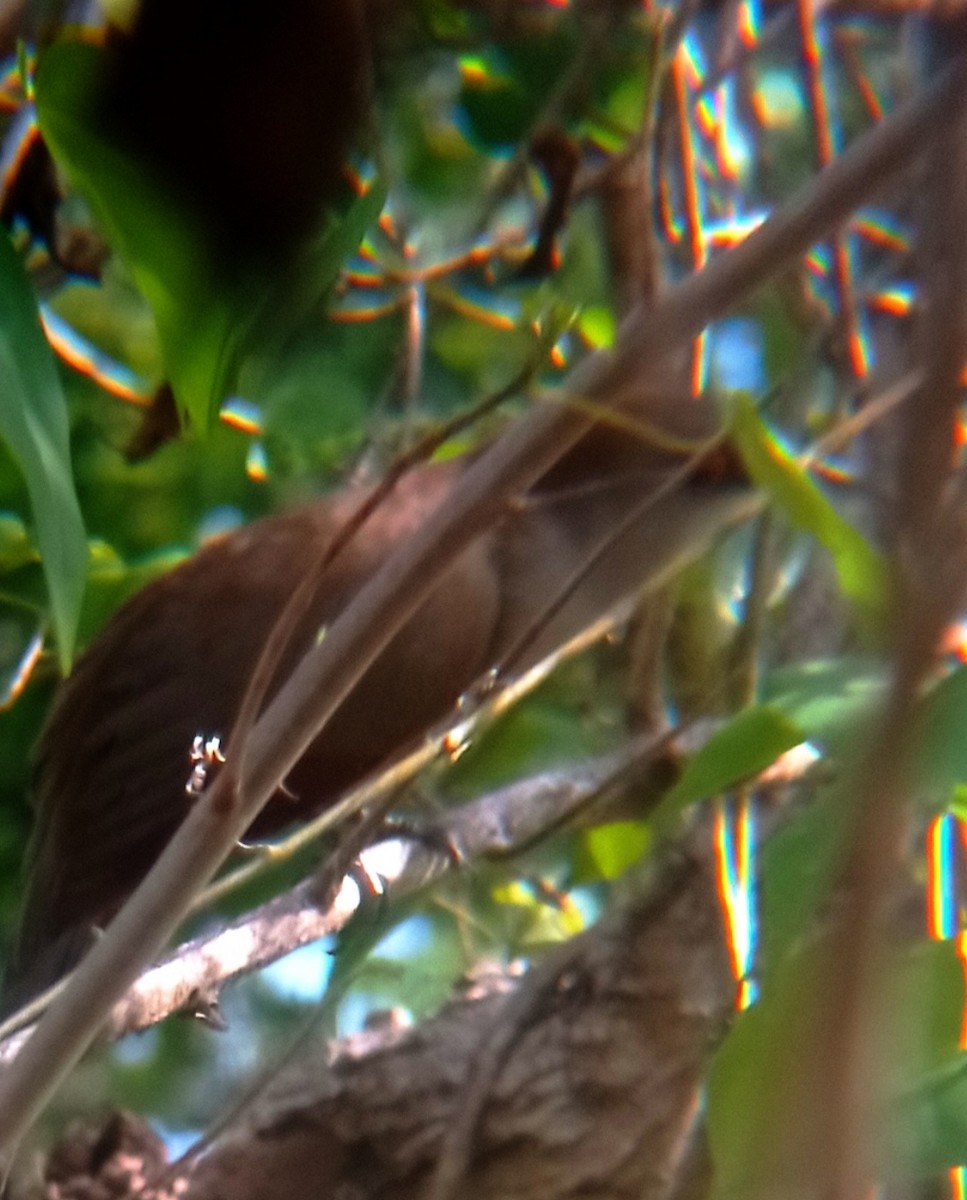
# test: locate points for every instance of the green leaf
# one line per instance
(829, 699)
(797, 867)
(341, 237)
(744, 747)
(836, 703)
(925, 1128)
(941, 746)
(207, 325)
(614, 848)
(763, 1097)
(532, 922)
(470, 347)
(16, 547)
(862, 571)
(543, 732)
(283, 348)
(34, 424)
(504, 89)
(751, 1083)
(597, 326)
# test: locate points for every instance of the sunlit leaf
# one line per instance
(531, 921)
(862, 571)
(615, 847)
(597, 326)
(16, 547)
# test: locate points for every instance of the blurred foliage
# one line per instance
(414, 297)
(922, 1011)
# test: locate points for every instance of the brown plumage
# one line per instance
(113, 760)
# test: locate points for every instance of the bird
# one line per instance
(112, 772)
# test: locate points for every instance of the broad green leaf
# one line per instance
(751, 1086)
(764, 1119)
(797, 868)
(324, 256)
(830, 700)
(744, 747)
(34, 424)
(925, 1128)
(862, 571)
(836, 703)
(941, 745)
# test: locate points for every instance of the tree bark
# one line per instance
(581, 1078)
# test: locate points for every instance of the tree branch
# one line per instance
(581, 1078)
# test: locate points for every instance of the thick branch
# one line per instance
(591, 1066)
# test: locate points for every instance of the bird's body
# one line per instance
(174, 662)
(113, 761)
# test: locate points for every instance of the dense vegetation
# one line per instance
(523, 177)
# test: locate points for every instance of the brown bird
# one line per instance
(109, 784)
